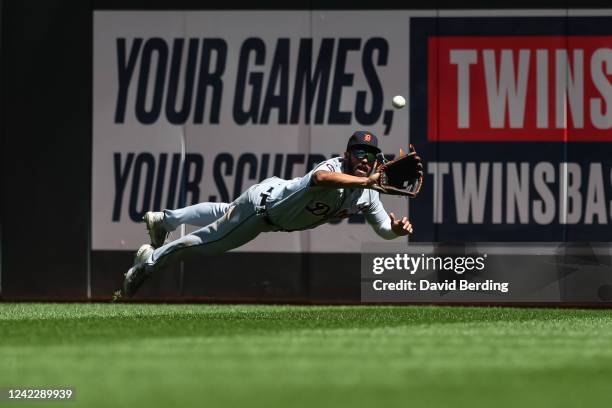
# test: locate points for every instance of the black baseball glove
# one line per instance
(402, 176)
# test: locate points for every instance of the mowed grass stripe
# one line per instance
(250, 355)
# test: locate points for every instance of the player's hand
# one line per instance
(373, 178)
(400, 226)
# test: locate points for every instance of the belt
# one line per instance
(261, 208)
(264, 198)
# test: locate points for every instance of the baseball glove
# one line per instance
(402, 176)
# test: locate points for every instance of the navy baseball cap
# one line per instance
(363, 138)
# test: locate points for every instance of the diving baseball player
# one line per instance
(336, 188)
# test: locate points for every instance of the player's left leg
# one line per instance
(199, 215)
(239, 225)
(234, 229)
(161, 223)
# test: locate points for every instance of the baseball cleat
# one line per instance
(155, 226)
(137, 274)
(143, 253)
(116, 296)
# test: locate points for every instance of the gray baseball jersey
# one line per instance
(289, 205)
(298, 204)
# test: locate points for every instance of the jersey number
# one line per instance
(319, 208)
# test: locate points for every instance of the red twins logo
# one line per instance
(520, 88)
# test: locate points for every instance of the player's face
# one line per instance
(361, 161)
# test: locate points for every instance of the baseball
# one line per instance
(398, 102)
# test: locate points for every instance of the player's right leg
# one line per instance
(161, 223)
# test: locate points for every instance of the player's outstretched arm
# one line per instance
(328, 179)
(385, 225)
(400, 226)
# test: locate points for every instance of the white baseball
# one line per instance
(398, 102)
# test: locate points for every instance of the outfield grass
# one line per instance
(287, 356)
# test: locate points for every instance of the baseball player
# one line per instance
(336, 188)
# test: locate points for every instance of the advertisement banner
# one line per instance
(514, 114)
(197, 106)
(509, 109)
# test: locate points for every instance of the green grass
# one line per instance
(288, 356)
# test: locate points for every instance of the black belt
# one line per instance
(264, 198)
(262, 207)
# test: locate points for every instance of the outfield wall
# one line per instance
(509, 108)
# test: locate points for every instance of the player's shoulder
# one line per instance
(334, 165)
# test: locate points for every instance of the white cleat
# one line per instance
(143, 253)
(155, 226)
(137, 274)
